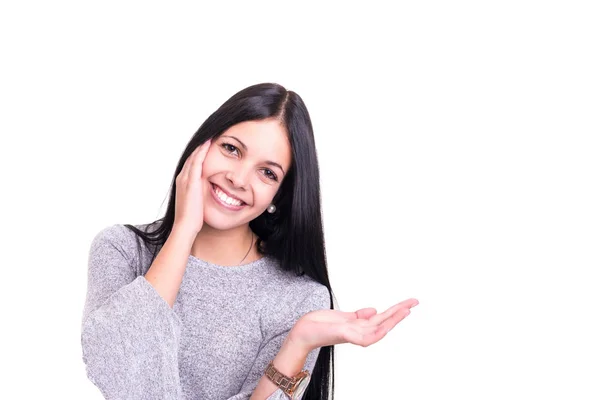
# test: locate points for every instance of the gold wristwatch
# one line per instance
(293, 387)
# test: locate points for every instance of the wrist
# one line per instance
(289, 361)
(296, 341)
(291, 357)
(183, 233)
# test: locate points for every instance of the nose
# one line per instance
(238, 178)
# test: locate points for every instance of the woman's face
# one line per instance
(242, 171)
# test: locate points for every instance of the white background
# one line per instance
(459, 153)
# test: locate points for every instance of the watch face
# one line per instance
(301, 388)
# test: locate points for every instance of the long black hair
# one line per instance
(294, 233)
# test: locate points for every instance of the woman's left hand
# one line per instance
(363, 327)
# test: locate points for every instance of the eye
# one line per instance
(230, 148)
(270, 174)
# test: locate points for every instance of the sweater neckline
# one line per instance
(261, 262)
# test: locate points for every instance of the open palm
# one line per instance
(363, 327)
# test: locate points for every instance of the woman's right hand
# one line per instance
(189, 192)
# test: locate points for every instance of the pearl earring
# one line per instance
(271, 209)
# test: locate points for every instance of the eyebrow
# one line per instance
(273, 163)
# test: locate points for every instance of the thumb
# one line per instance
(366, 313)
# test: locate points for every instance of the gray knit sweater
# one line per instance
(227, 323)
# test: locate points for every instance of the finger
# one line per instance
(364, 322)
(366, 313)
(391, 322)
(406, 304)
(196, 166)
(379, 318)
(186, 166)
(343, 316)
(410, 303)
(366, 316)
(363, 326)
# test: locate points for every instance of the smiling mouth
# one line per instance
(225, 198)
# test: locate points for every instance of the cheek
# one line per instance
(264, 194)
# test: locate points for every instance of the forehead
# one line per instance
(266, 140)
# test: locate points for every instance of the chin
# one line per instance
(222, 222)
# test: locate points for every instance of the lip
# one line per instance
(225, 205)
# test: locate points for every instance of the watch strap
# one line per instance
(286, 383)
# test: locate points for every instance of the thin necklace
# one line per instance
(249, 248)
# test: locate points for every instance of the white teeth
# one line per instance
(227, 199)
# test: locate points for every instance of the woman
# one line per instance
(227, 296)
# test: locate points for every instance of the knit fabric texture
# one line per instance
(225, 326)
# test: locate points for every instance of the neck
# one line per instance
(226, 248)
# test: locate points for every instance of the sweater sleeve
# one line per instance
(318, 300)
(129, 333)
